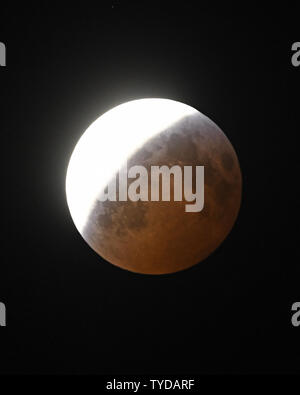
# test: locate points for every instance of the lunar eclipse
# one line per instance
(145, 236)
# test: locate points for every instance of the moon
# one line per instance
(153, 237)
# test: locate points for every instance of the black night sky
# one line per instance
(69, 311)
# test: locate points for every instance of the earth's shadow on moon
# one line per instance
(160, 237)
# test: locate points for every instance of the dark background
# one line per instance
(69, 311)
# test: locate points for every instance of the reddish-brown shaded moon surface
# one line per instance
(158, 237)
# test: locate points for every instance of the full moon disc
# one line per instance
(128, 227)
